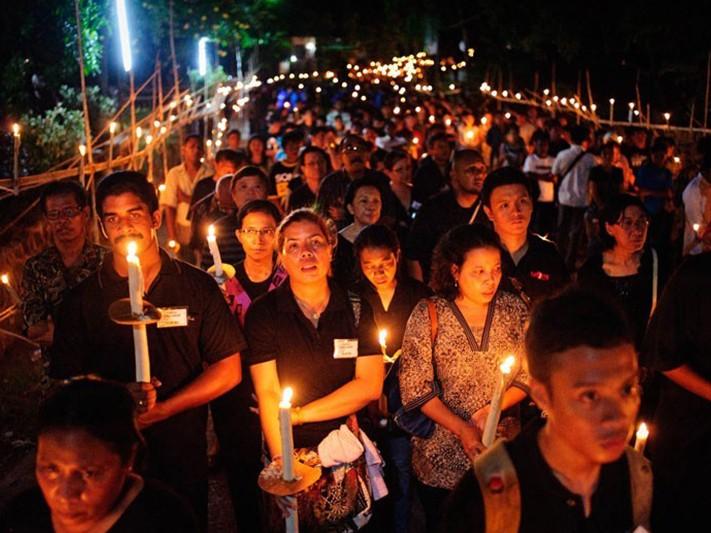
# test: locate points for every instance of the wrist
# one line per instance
(296, 416)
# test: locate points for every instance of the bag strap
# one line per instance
(500, 491)
(565, 174)
(655, 281)
(476, 211)
(641, 487)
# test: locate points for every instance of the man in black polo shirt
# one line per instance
(459, 205)
(533, 262)
(432, 174)
(573, 471)
(194, 351)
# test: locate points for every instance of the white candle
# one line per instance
(492, 420)
(16, 151)
(135, 280)
(13, 294)
(630, 115)
(696, 227)
(140, 354)
(82, 153)
(214, 250)
(287, 438)
(641, 437)
(667, 116)
(612, 108)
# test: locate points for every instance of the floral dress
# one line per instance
(465, 362)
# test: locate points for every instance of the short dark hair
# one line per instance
(306, 214)
(359, 183)
(313, 150)
(540, 135)
(249, 170)
(65, 187)
(504, 176)
(126, 181)
(612, 212)
(376, 236)
(292, 136)
(578, 134)
(465, 154)
(258, 206)
(103, 409)
(195, 136)
(575, 317)
(394, 157)
(435, 137)
(237, 157)
(452, 250)
(234, 131)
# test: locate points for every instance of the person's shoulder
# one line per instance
(542, 245)
(160, 505)
(27, 512)
(511, 302)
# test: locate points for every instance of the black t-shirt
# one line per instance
(428, 180)
(438, 215)
(541, 271)
(254, 290)
(156, 509)
(301, 197)
(278, 331)
(609, 184)
(546, 505)
(280, 175)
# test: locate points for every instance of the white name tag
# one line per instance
(173, 317)
(345, 348)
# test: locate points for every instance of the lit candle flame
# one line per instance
(16, 129)
(172, 243)
(642, 431)
(161, 187)
(508, 364)
(82, 150)
(131, 249)
(211, 231)
(5, 279)
(696, 227)
(286, 396)
(382, 337)
(112, 127)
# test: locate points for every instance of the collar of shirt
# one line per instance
(286, 301)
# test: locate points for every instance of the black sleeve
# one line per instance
(422, 239)
(464, 508)
(259, 327)
(70, 348)
(220, 334)
(367, 331)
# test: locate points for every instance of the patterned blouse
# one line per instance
(467, 375)
(45, 280)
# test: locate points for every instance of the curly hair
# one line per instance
(452, 250)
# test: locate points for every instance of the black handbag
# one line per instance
(414, 421)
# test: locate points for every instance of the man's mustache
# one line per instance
(132, 237)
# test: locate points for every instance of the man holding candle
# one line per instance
(573, 471)
(194, 350)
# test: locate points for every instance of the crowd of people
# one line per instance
(465, 239)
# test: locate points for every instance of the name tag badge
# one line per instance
(173, 317)
(345, 348)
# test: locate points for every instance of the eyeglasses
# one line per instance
(63, 214)
(253, 232)
(629, 224)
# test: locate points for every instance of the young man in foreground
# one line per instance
(572, 472)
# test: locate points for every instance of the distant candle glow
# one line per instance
(16, 129)
(5, 279)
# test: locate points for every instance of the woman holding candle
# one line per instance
(307, 335)
(392, 296)
(453, 381)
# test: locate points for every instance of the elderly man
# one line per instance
(62, 266)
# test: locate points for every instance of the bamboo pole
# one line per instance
(708, 82)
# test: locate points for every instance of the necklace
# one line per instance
(312, 313)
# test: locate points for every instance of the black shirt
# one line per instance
(301, 197)
(253, 289)
(633, 293)
(280, 175)
(428, 180)
(608, 184)
(546, 505)
(278, 331)
(437, 215)
(156, 509)
(541, 271)
(333, 190)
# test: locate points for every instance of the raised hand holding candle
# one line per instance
(10, 289)
(641, 437)
(214, 250)
(492, 420)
